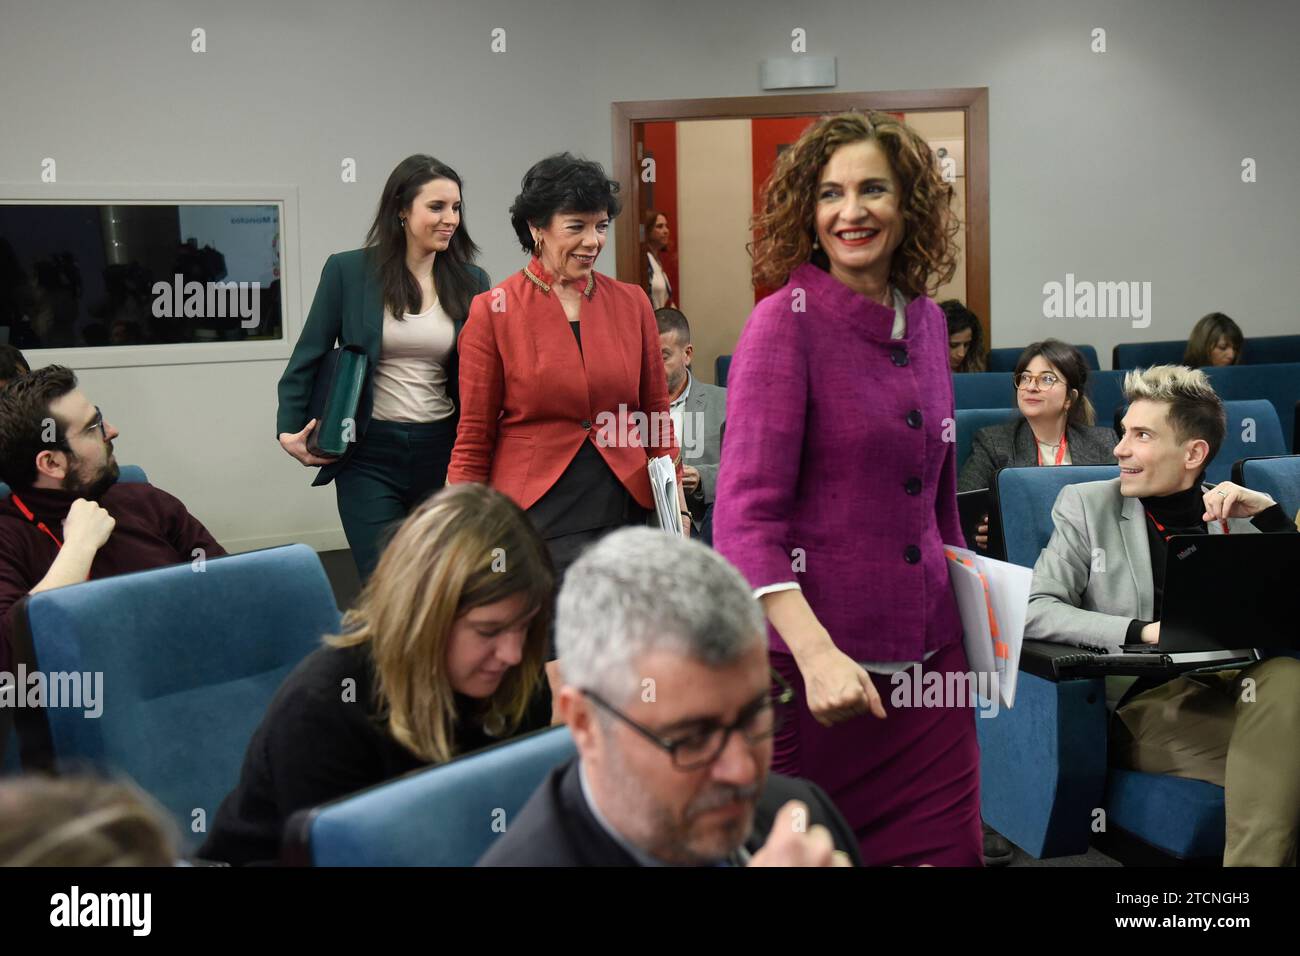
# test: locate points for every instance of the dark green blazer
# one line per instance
(347, 310)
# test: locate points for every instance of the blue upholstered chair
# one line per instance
(443, 816)
(971, 420)
(1128, 355)
(1270, 349)
(983, 390)
(721, 366)
(1278, 477)
(1106, 390)
(1279, 384)
(9, 762)
(1005, 359)
(1043, 769)
(190, 660)
(1256, 421)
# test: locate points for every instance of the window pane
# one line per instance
(77, 275)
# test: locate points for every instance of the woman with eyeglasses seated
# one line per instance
(442, 655)
(1054, 427)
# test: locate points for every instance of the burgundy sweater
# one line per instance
(153, 530)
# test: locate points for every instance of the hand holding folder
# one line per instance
(993, 599)
(663, 482)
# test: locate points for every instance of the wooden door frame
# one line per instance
(973, 102)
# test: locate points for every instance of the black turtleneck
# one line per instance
(1182, 513)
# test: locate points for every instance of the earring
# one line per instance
(816, 243)
(401, 222)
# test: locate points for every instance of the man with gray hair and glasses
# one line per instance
(667, 691)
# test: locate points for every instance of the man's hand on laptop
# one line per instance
(1227, 500)
(1151, 633)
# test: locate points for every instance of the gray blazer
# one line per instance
(706, 408)
(1012, 446)
(1094, 576)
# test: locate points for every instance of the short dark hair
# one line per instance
(1073, 366)
(672, 320)
(561, 183)
(12, 363)
(24, 410)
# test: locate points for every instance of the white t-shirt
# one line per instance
(410, 381)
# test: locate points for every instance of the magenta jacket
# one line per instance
(839, 465)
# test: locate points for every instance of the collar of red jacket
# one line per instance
(544, 279)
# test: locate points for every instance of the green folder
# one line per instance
(335, 399)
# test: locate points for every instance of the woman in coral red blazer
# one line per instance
(559, 367)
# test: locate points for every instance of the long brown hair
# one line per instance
(927, 256)
(1205, 336)
(386, 242)
(462, 548)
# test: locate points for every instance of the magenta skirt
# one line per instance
(908, 785)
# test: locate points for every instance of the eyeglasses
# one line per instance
(756, 723)
(1045, 380)
(97, 422)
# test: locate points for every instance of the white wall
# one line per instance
(1115, 166)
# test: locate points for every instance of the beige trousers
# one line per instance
(1239, 729)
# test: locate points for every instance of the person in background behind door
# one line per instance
(657, 285)
(699, 411)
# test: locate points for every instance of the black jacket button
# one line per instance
(912, 486)
(899, 357)
(914, 418)
(912, 554)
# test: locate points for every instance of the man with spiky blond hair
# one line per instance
(1234, 728)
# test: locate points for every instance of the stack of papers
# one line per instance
(663, 481)
(993, 598)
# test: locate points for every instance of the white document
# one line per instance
(663, 481)
(1007, 595)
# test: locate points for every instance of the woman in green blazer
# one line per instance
(402, 298)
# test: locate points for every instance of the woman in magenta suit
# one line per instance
(837, 490)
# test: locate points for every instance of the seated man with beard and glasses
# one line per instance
(667, 691)
(66, 520)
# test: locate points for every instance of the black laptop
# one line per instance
(1226, 595)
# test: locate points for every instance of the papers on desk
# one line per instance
(663, 481)
(993, 599)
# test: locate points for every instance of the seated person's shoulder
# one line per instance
(329, 683)
(1000, 433)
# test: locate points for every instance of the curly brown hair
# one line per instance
(927, 256)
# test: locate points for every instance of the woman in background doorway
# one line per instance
(657, 285)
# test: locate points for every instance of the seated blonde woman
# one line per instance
(441, 656)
